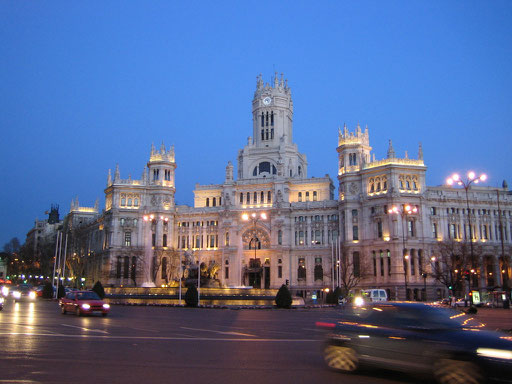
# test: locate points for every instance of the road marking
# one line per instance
(85, 329)
(169, 338)
(219, 332)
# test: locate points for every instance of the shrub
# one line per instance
(191, 297)
(48, 290)
(332, 296)
(283, 298)
(98, 288)
(61, 291)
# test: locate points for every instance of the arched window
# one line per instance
(300, 196)
(301, 271)
(269, 197)
(319, 270)
(241, 198)
(207, 201)
(280, 237)
(214, 202)
(119, 267)
(134, 268)
(226, 242)
(164, 268)
(300, 170)
(255, 197)
(126, 267)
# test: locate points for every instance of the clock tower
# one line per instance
(271, 151)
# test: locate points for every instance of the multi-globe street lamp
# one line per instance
(466, 183)
(406, 209)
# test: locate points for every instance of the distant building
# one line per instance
(273, 224)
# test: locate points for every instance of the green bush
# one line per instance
(284, 297)
(98, 288)
(61, 291)
(48, 290)
(332, 296)
(191, 297)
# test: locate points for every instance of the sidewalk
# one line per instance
(495, 318)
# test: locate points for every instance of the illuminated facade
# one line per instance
(272, 224)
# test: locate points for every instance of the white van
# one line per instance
(375, 295)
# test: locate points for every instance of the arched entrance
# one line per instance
(256, 273)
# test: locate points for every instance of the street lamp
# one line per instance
(466, 184)
(407, 209)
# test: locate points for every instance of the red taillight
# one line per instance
(321, 324)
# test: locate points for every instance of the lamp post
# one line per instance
(254, 218)
(407, 209)
(466, 184)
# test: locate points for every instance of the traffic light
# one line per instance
(450, 287)
(287, 282)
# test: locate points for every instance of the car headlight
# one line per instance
(495, 353)
(1, 300)
(358, 301)
(5, 291)
(106, 306)
(86, 306)
(32, 295)
(16, 294)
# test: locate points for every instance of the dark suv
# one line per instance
(417, 338)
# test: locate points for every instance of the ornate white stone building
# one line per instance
(273, 225)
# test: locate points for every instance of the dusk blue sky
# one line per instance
(88, 85)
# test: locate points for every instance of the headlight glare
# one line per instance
(16, 294)
(495, 353)
(106, 306)
(32, 295)
(86, 306)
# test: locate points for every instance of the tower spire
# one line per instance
(391, 151)
(420, 152)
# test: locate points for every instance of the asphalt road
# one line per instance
(168, 345)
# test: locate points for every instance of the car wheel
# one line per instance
(342, 359)
(63, 310)
(450, 371)
(77, 311)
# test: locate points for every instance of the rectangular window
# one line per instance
(315, 197)
(381, 265)
(300, 196)
(379, 229)
(307, 196)
(280, 271)
(434, 230)
(355, 263)
(226, 272)
(410, 228)
(127, 239)
(153, 239)
(355, 232)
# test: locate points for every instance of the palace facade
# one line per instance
(272, 224)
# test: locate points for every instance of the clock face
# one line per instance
(267, 100)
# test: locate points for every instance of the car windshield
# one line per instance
(421, 316)
(87, 296)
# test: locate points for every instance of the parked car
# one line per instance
(417, 338)
(83, 303)
(23, 292)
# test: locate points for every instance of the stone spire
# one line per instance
(420, 152)
(152, 149)
(117, 175)
(391, 151)
(162, 148)
(229, 173)
(97, 204)
(109, 177)
(145, 174)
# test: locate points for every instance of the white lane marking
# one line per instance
(219, 332)
(85, 329)
(162, 338)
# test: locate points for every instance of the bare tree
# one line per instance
(352, 269)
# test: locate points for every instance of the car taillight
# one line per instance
(321, 324)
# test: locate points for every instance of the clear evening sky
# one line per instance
(88, 85)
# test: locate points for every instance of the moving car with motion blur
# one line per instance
(23, 292)
(1, 302)
(83, 303)
(417, 338)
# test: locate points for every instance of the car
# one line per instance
(416, 338)
(83, 303)
(375, 295)
(1, 303)
(4, 290)
(23, 292)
